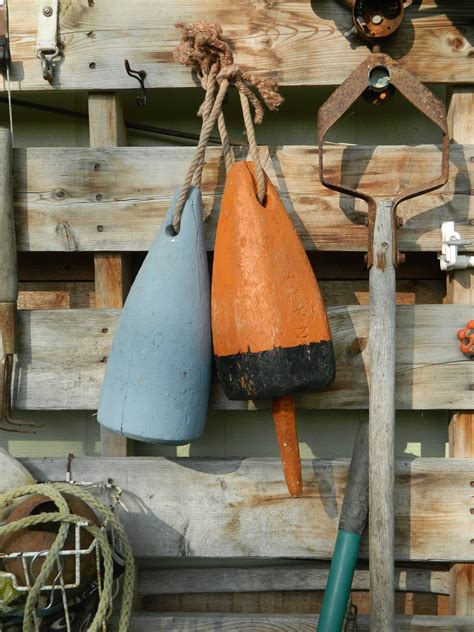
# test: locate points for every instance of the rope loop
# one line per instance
(64, 517)
(203, 48)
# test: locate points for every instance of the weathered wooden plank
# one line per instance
(112, 271)
(303, 578)
(286, 602)
(81, 294)
(114, 199)
(299, 42)
(241, 507)
(460, 286)
(78, 294)
(356, 292)
(62, 356)
(147, 622)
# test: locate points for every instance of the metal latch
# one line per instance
(47, 48)
(450, 259)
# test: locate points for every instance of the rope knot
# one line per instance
(231, 73)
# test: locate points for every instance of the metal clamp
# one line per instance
(375, 19)
(450, 259)
(47, 48)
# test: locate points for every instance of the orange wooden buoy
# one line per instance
(270, 330)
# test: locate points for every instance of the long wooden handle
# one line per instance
(284, 416)
(382, 422)
(8, 266)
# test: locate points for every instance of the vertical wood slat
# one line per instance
(460, 289)
(112, 270)
(382, 422)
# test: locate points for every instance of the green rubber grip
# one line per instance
(339, 583)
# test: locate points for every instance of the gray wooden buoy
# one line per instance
(158, 376)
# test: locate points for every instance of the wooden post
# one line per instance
(112, 270)
(382, 421)
(460, 289)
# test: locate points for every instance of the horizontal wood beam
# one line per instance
(241, 508)
(114, 199)
(148, 622)
(297, 42)
(62, 356)
(282, 578)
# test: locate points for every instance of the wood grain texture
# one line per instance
(65, 295)
(382, 325)
(241, 507)
(62, 356)
(460, 289)
(81, 294)
(298, 42)
(80, 199)
(291, 578)
(281, 623)
(285, 602)
(112, 271)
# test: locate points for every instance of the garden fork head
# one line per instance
(7, 327)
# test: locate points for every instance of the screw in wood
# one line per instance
(47, 11)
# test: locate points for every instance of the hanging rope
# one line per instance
(202, 47)
(64, 517)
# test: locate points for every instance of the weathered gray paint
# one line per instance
(157, 381)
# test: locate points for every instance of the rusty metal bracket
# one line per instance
(375, 19)
(378, 71)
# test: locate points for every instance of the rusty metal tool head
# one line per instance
(376, 19)
(8, 289)
(378, 72)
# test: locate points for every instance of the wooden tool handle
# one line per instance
(8, 266)
(284, 416)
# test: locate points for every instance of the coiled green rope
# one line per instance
(64, 516)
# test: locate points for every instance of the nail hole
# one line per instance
(472, 541)
(100, 228)
(471, 510)
(105, 330)
(98, 197)
(97, 166)
(92, 65)
(472, 483)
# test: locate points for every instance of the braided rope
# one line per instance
(198, 158)
(253, 148)
(202, 47)
(65, 518)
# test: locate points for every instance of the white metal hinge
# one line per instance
(47, 48)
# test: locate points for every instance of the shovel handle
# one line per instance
(351, 526)
(8, 265)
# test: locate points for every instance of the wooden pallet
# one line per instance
(83, 213)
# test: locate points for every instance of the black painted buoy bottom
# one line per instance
(277, 372)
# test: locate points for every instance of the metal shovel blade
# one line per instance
(158, 375)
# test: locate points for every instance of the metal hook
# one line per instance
(139, 75)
